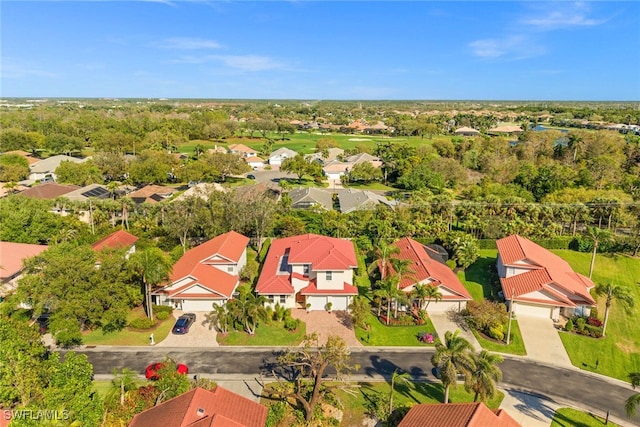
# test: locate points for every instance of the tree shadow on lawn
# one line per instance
(386, 368)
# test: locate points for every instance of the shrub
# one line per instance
(496, 332)
(580, 323)
(483, 315)
(142, 323)
(162, 315)
(593, 331)
(594, 313)
(276, 414)
(569, 326)
(250, 270)
(162, 309)
(291, 324)
(594, 322)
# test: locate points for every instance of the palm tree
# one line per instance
(388, 291)
(428, 293)
(123, 381)
(400, 268)
(247, 309)
(153, 266)
(597, 236)
(614, 292)
(382, 257)
(632, 403)
(484, 375)
(397, 376)
(452, 357)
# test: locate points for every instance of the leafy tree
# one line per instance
(227, 164)
(452, 357)
(359, 308)
(632, 403)
(308, 365)
(365, 172)
(59, 143)
(171, 383)
(27, 220)
(484, 376)
(13, 167)
(618, 293)
(184, 217)
(79, 173)
(297, 165)
(421, 177)
(153, 266)
(152, 167)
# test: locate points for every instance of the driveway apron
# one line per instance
(325, 324)
(442, 324)
(542, 342)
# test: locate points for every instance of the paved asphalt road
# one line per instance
(564, 385)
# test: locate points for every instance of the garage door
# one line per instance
(317, 302)
(442, 306)
(197, 305)
(339, 303)
(533, 310)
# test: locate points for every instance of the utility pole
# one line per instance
(513, 291)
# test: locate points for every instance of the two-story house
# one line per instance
(207, 274)
(538, 282)
(309, 271)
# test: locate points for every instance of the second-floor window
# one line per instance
(305, 269)
(329, 275)
(230, 269)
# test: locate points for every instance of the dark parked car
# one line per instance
(43, 322)
(151, 373)
(183, 323)
(251, 176)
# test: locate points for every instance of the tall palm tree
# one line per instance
(247, 309)
(452, 357)
(618, 293)
(400, 268)
(484, 375)
(154, 267)
(427, 293)
(632, 403)
(382, 257)
(397, 376)
(597, 236)
(388, 291)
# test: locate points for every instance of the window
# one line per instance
(329, 275)
(230, 269)
(270, 298)
(305, 269)
(283, 299)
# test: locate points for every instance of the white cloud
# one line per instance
(511, 48)
(12, 69)
(239, 62)
(561, 15)
(187, 43)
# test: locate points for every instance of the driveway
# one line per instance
(325, 324)
(199, 334)
(271, 175)
(542, 342)
(442, 323)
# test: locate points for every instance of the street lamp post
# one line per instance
(513, 291)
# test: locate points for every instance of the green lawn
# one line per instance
(101, 387)
(381, 335)
(516, 345)
(477, 278)
(568, 417)
(128, 336)
(370, 186)
(619, 353)
(271, 334)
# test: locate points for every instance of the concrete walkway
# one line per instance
(527, 409)
(442, 323)
(542, 342)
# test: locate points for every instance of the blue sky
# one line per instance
(321, 50)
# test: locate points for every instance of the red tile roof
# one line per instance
(115, 240)
(423, 266)
(203, 408)
(12, 256)
(48, 191)
(312, 289)
(241, 148)
(456, 415)
(323, 253)
(197, 263)
(549, 273)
